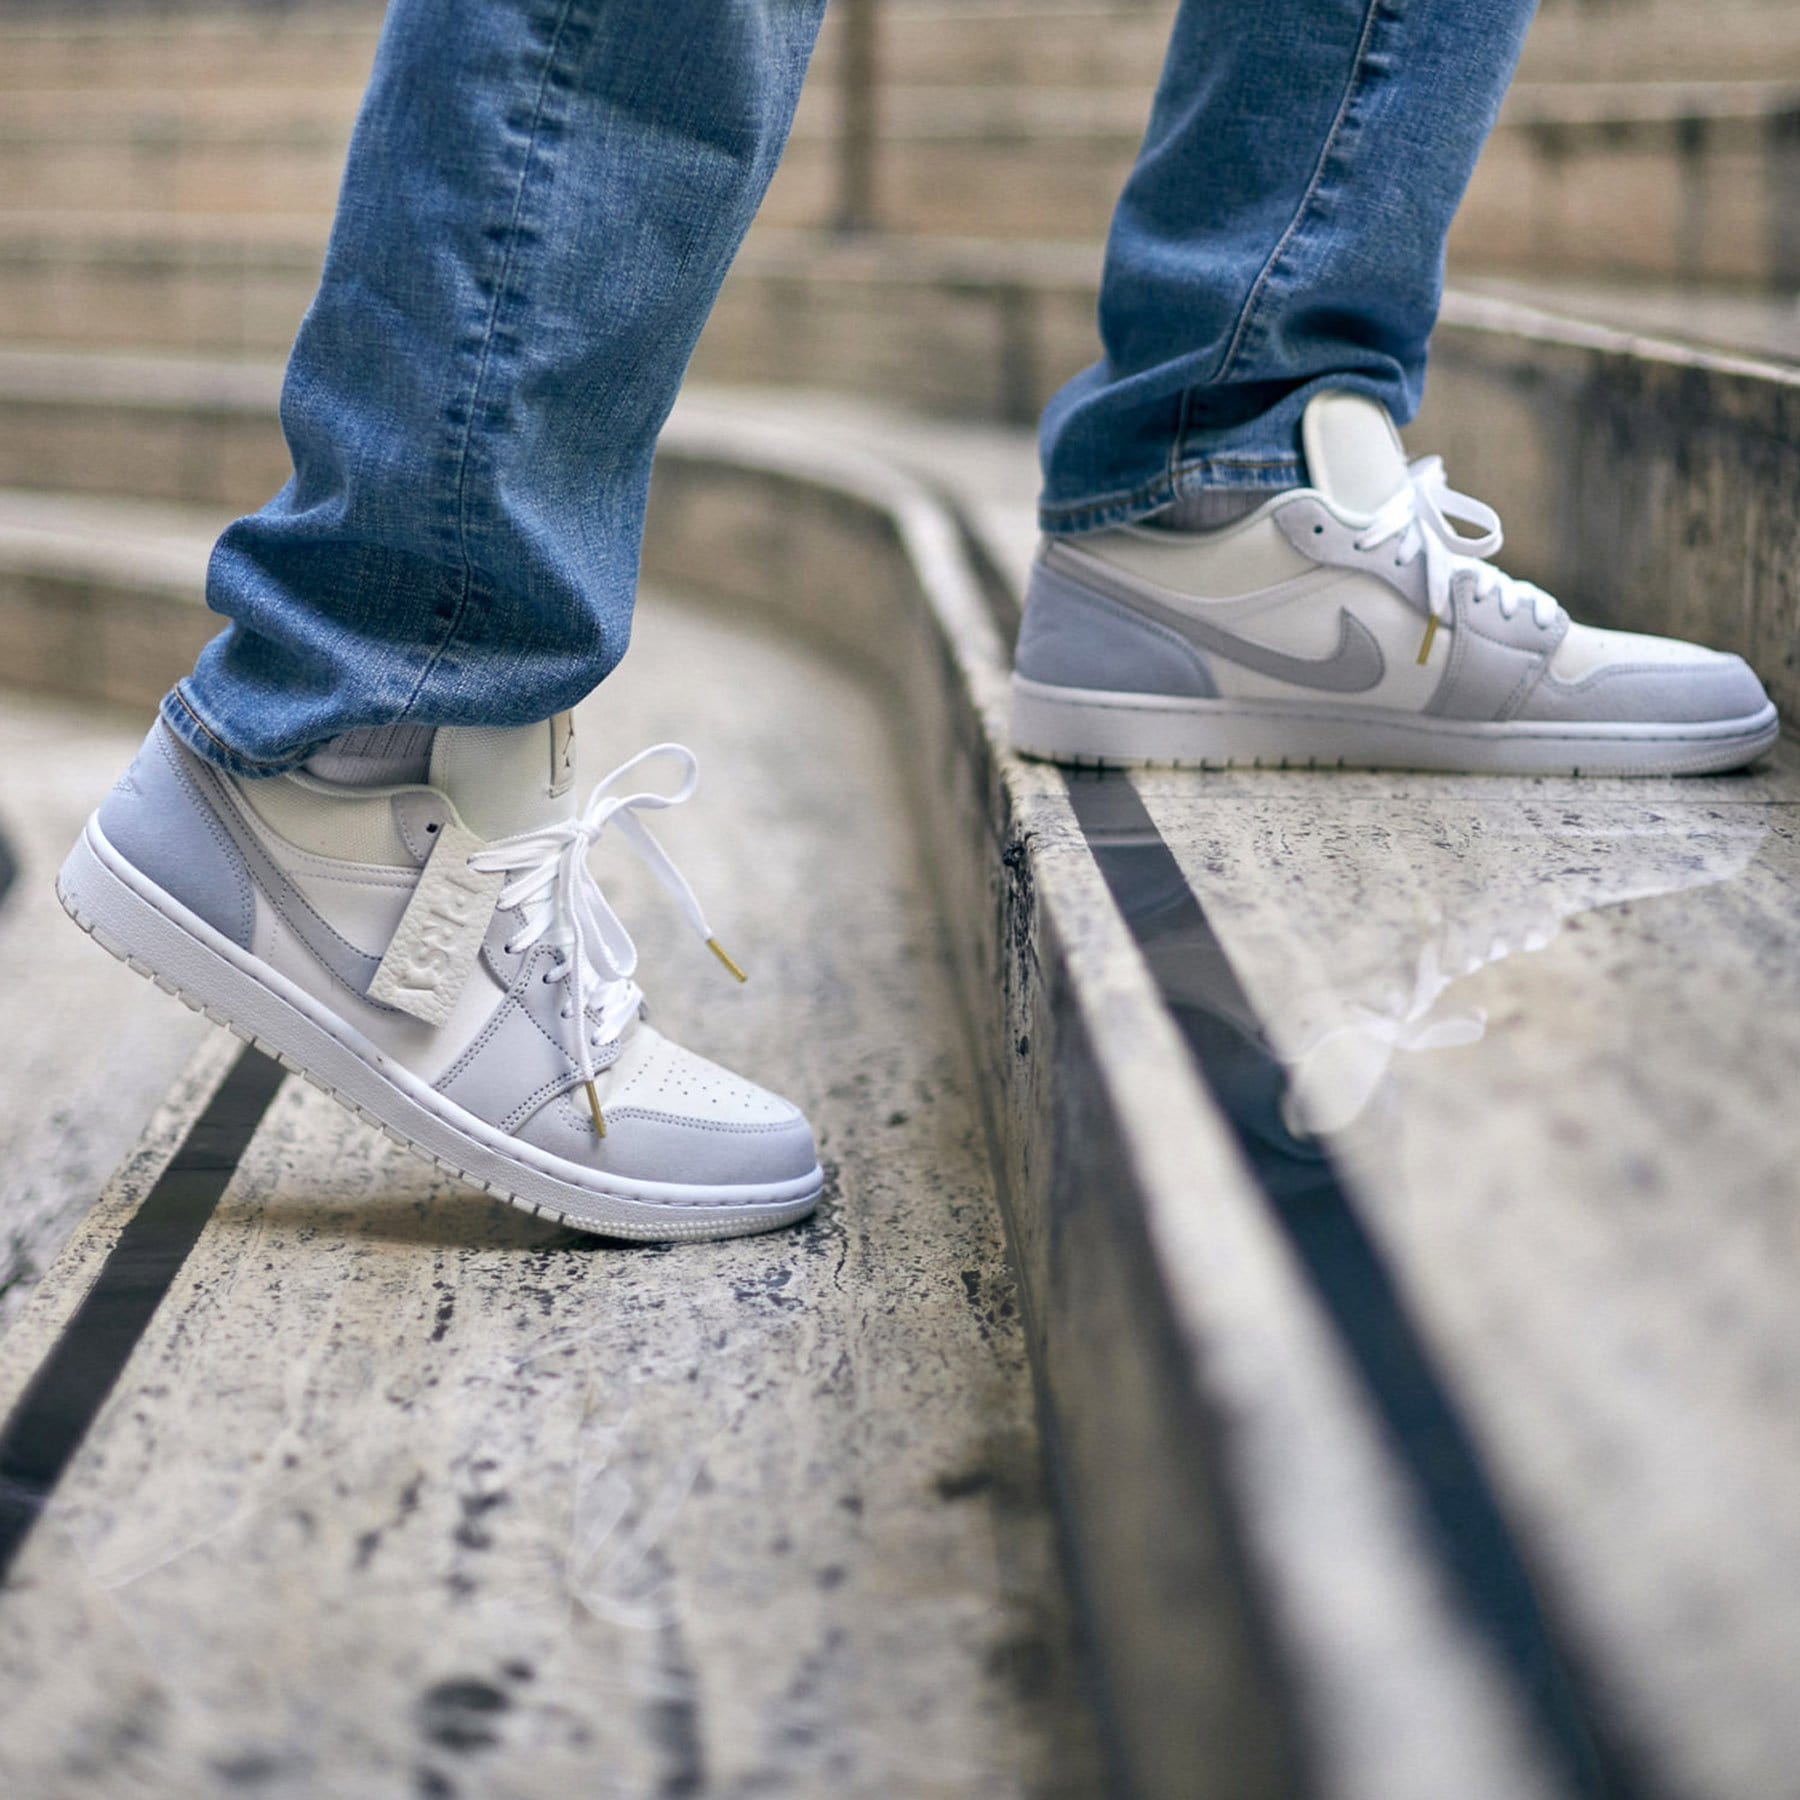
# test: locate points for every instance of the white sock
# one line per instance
(375, 756)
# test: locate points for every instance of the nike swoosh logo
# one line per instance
(1353, 667)
(355, 968)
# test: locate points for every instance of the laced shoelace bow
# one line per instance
(1419, 516)
(565, 907)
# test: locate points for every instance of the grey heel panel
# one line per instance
(1073, 637)
(158, 820)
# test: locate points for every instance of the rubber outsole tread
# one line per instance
(645, 1234)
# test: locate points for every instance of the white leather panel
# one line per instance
(1587, 648)
(427, 1050)
(360, 903)
(1241, 559)
(298, 814)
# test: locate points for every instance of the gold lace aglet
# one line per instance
(1431, 625)
(718, 950)
(594, 1108)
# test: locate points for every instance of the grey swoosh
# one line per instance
(1355, 666)
(353, 967)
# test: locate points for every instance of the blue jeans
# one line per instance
(1282, 232)
(541, 200)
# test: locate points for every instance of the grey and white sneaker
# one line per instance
(1350, 623)
(437, 954)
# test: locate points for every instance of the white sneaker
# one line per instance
(1350, 624)
(438, 957)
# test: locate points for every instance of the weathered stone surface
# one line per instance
(101, 598)
(1547, 1028)
(406, 1491)
(1289, 1625)
(87, 1049)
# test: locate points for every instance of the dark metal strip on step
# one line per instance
(65, 1396)
(1314, 1210)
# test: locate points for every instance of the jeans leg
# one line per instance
(1282, 231)
(541, 200)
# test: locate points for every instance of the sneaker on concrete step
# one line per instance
(1349, 623)
(434, 951)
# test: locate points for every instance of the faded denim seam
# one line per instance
(502, 280)
(184, 718)
(1188, 475)
(1352, 88)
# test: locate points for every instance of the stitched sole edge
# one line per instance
(1093, 729)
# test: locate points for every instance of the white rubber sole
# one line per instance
(1106, 730)
(156, 935)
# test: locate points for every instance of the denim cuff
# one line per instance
(181, 716)
(1244, 474)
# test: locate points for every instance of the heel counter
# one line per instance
(158, 818)
(1071, 636)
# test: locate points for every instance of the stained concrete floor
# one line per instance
(407, 1493)
(1548, 1030)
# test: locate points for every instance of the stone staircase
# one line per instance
(169, 184)
(1450, 1453)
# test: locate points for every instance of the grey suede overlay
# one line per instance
(1353, 667)
(1494, 663)
(1073, 636)
(518, 1075)
(648, 1146)
(1688, 693)
(518, 1061)
(157, 819)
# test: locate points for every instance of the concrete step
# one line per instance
(101, 597)
(1568, 919)
(91, 1050)
(401, 1490)
(1730, 321)
(973, 329)
(981, 330)
(192, 430)
(224, 285)
(1068, 43)
(202, 48)
(1676, 181)
(1689, 180)
(1328, 1538)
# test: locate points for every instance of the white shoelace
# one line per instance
(565, 907)
(1419, 517)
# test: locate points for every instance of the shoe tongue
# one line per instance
(506, 779)
(1353, 453)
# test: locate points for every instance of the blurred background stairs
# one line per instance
(167, 182)
(931, 240)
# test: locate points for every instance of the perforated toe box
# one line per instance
(675, 1117)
